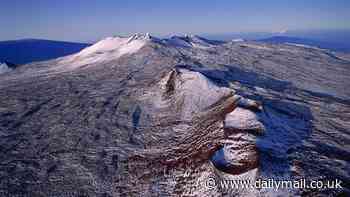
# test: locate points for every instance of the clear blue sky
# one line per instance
(87, 20)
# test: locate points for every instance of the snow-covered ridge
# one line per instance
(259, 46)
(127, 45)
(177, 41)
(107, 49)
(112, 48)
(120, 45)
(189, 41)
(304, 46)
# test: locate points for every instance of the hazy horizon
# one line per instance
(317, 34)
(83, 21)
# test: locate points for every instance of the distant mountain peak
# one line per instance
(132, 37)
(108, 49)
(142, 36)
(123, 44)
(190, 41)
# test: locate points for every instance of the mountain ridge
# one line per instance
(30, 50)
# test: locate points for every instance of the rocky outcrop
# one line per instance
(239, 153)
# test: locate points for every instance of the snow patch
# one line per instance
(238, 40)
(243, 119)
(255, 46)
(198, 92)
(191, 91)
(4, 68)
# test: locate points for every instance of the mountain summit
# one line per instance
(109, 48)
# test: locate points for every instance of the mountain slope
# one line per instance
(140, 116)
(32, 50)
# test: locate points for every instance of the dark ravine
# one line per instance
(142, 116)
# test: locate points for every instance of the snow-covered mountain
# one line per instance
(143, 116)
(108, 49)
